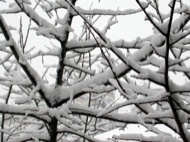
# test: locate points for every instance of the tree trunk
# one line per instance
(53, 130)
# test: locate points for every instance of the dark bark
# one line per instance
(63, 50)
(53, 130)
(166, 75)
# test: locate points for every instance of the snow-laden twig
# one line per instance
(31, 73)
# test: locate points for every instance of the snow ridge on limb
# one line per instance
(28, 110)
(140, 137)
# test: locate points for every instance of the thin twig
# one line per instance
(150, 19)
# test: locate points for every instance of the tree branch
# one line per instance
(30, 72)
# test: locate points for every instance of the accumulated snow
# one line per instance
(179, 23)
(158, 40)
(140, 137)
